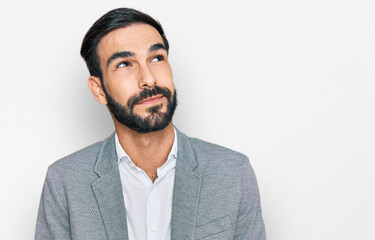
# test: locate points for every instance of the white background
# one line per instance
(289, 83)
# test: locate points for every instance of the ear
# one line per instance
(96, 88)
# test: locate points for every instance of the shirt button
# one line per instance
(154, 228)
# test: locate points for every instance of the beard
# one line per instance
(155, 121)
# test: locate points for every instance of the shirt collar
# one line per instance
(121, 154)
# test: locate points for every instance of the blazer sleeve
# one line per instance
(249, 224)
(53, 219)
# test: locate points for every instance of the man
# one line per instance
(148, 180)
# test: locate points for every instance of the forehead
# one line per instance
(135, 38)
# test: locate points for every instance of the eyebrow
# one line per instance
(126, 54)
(156, 47)
(116, 55)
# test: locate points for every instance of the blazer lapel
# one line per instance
(108, 192)
(185, 192)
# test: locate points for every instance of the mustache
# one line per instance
(147, 93)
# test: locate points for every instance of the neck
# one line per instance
(147, 150)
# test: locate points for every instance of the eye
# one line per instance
(158, 58)
(122, 64)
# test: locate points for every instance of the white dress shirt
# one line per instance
(148, 205)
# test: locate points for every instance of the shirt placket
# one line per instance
(151, 216)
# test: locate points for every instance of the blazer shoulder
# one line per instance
(214, 150)
(83, 159)
(213, 158)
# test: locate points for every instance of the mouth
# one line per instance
(150, 100)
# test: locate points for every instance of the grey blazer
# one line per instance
(215, 195)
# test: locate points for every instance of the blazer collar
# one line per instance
(185, 152)
(185, 191)
(108, 191)
(107, 159)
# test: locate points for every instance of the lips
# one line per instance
(150, 100)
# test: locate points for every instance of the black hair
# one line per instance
(112, 20)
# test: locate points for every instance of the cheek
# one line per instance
(121, 90)
(165, 77)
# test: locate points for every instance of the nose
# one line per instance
(146, 77)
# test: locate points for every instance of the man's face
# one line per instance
(137, 78)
